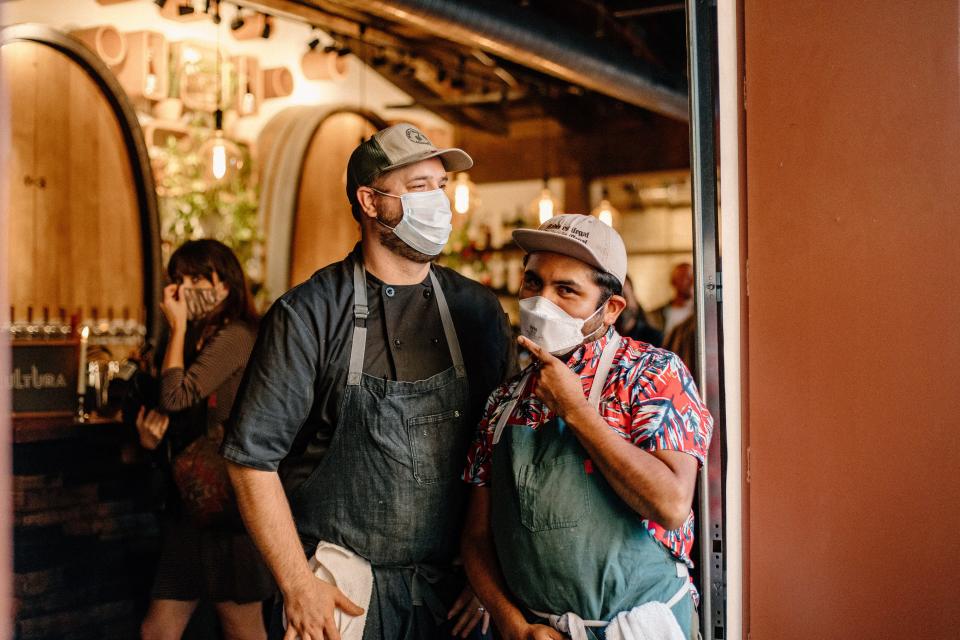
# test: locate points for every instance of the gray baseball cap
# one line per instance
(578, 236)
(394, 147)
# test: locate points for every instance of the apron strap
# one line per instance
(361, 311)
(603, 369)
(596, 390)
(569, 623)
(508, 408)
(575, 627)
(449, 330)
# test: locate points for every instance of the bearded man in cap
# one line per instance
(357, 406)
(584, 466)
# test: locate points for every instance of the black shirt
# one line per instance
(286, 408)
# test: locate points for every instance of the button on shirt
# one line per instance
(405, 339)
(286, 408)
(649, 399)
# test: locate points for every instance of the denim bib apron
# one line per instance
(389, 486)
(567, 543)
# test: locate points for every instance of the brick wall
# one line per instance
(86, 532)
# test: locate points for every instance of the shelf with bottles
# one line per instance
(123, 334)
(481, 248)
(110, 348)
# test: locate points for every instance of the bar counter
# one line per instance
(86, 528)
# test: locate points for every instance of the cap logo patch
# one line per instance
(414, 135)
(566, 228)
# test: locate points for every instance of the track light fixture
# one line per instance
(212, 8)
(267, 26)
(379, 58)
(160, 3)
(238, 20)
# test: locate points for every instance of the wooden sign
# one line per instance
(44, 377)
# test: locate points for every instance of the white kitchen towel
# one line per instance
(649, 621)
(351, 574)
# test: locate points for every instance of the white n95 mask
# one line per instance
(551, 327)
(426, 223)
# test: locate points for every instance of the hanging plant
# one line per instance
(193, 207)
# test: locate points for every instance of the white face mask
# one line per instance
(550, 326)
(426, 223)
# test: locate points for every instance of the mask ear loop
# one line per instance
(591, 337)
(390, 195)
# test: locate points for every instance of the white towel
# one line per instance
(351, 574)
(649, 621)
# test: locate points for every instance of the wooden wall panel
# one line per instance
(853, 150)
(75, 230)
(19, 70)
(324, 230)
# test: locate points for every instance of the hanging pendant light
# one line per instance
(222, 158)
(545, 205)
(464, 193)
(606, 212)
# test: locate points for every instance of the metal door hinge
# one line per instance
(715, 286)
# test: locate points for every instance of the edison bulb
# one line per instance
(218, 166)
(222, 159)
(248, 103)
(462, 193)
(545, 205)
(150, 84)
(606, 213)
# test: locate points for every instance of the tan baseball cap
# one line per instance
(395, 147)
(579, 236)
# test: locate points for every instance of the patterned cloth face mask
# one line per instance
(426, 223)
(200, 302)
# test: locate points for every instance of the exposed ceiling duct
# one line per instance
(527, 40)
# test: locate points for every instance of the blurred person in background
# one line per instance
(633, 322)
(206, 553)
(680, 307)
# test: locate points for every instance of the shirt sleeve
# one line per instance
(220, 358)
(277, 392)
(480, 453)
(666, 410)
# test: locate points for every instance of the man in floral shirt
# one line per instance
(581, 506)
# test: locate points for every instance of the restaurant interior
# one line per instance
(137, 125)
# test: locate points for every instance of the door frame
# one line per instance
(714, 34)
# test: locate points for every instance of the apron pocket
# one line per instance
(434, 441)
(552, 494)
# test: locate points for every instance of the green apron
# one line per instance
(567, 543)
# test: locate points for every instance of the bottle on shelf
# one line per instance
(49, 330)
(32, 328)
(63, 329)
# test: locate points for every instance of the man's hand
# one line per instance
(471, 612)
(557, 385)
(310, 610)
(151, 427)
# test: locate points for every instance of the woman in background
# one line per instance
(212, 331)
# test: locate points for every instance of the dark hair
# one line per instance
(608, 283)
(203, 258)
(355, 208)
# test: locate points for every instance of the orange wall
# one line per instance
(853, 226)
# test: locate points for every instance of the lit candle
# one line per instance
(82, 378)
